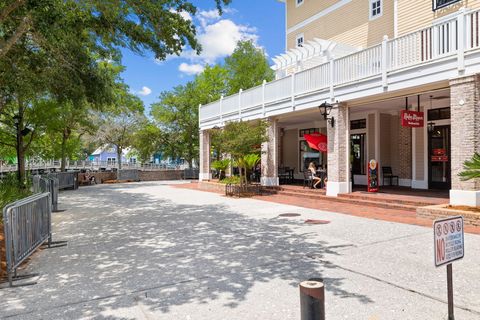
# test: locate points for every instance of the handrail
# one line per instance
(444, 38)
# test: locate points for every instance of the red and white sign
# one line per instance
(439, 152)
(448, 240)
(412, 119)
(439, 158)
(372, 172)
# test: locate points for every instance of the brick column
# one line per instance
(338, 146)
(270, 156)
(205, 173)
(465, 137)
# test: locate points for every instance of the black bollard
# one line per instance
(312, 300)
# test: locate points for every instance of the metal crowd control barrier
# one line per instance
(36, 183)
(47, 184)
(27, 225)
(66, 180)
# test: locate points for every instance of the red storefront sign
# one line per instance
(439, 159)
(439, 152)
(412, 119)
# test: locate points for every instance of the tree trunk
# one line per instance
(63, 151)
(119, 157)
(20, 157)
(20, 150)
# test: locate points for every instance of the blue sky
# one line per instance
(260, 20)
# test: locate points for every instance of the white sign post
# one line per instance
(448, 247)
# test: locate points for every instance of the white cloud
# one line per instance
(210, 14)
(219, 40)
(145, 91)
(218, 37)
(190, 69)
(185, 15)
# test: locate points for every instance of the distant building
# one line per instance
(108, 154)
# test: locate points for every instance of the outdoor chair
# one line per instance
(387, 173)
(307, 179)
(282, 175)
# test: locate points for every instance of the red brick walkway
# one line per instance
(392, 215)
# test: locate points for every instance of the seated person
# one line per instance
(90, 178)
(313, 171)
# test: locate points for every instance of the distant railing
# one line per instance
(89, 165)
(454, 36)
(27, 225)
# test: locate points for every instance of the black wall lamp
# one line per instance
(325, 109)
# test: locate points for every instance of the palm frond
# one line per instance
(471, 168)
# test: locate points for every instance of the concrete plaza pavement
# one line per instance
(152, 251)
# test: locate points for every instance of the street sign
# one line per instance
(412, 119)
(448, 240)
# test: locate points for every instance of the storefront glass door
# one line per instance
(439, 158)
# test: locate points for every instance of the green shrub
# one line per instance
(221, 166)
(11, 191)
(232, 180)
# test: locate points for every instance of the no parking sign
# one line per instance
(448, 247)
(448, 240)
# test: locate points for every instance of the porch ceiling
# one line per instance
(301, 117)
(440, 99)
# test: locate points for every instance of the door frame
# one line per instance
(440, 185)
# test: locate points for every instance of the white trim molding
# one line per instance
(371, 3)
(420, 184)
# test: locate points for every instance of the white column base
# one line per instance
(465, 198)
(335, 188)
(204, 176)
(269, 181)
(420, 184)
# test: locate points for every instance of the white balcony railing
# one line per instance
(456, 36)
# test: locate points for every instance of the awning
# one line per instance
(317, 141)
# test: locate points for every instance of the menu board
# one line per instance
(372, 170)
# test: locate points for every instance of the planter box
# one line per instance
(212, 186)
(442, 211)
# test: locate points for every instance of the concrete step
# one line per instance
(420, 202)
(320, 195)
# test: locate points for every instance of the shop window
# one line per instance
(308, 155)
(357, 153)
(358, 124)
(438, 4)
(439, 114)
(308, 131)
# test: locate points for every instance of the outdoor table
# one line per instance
(322, 174)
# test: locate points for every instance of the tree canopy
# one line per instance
(247, 67)
(61, 58)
